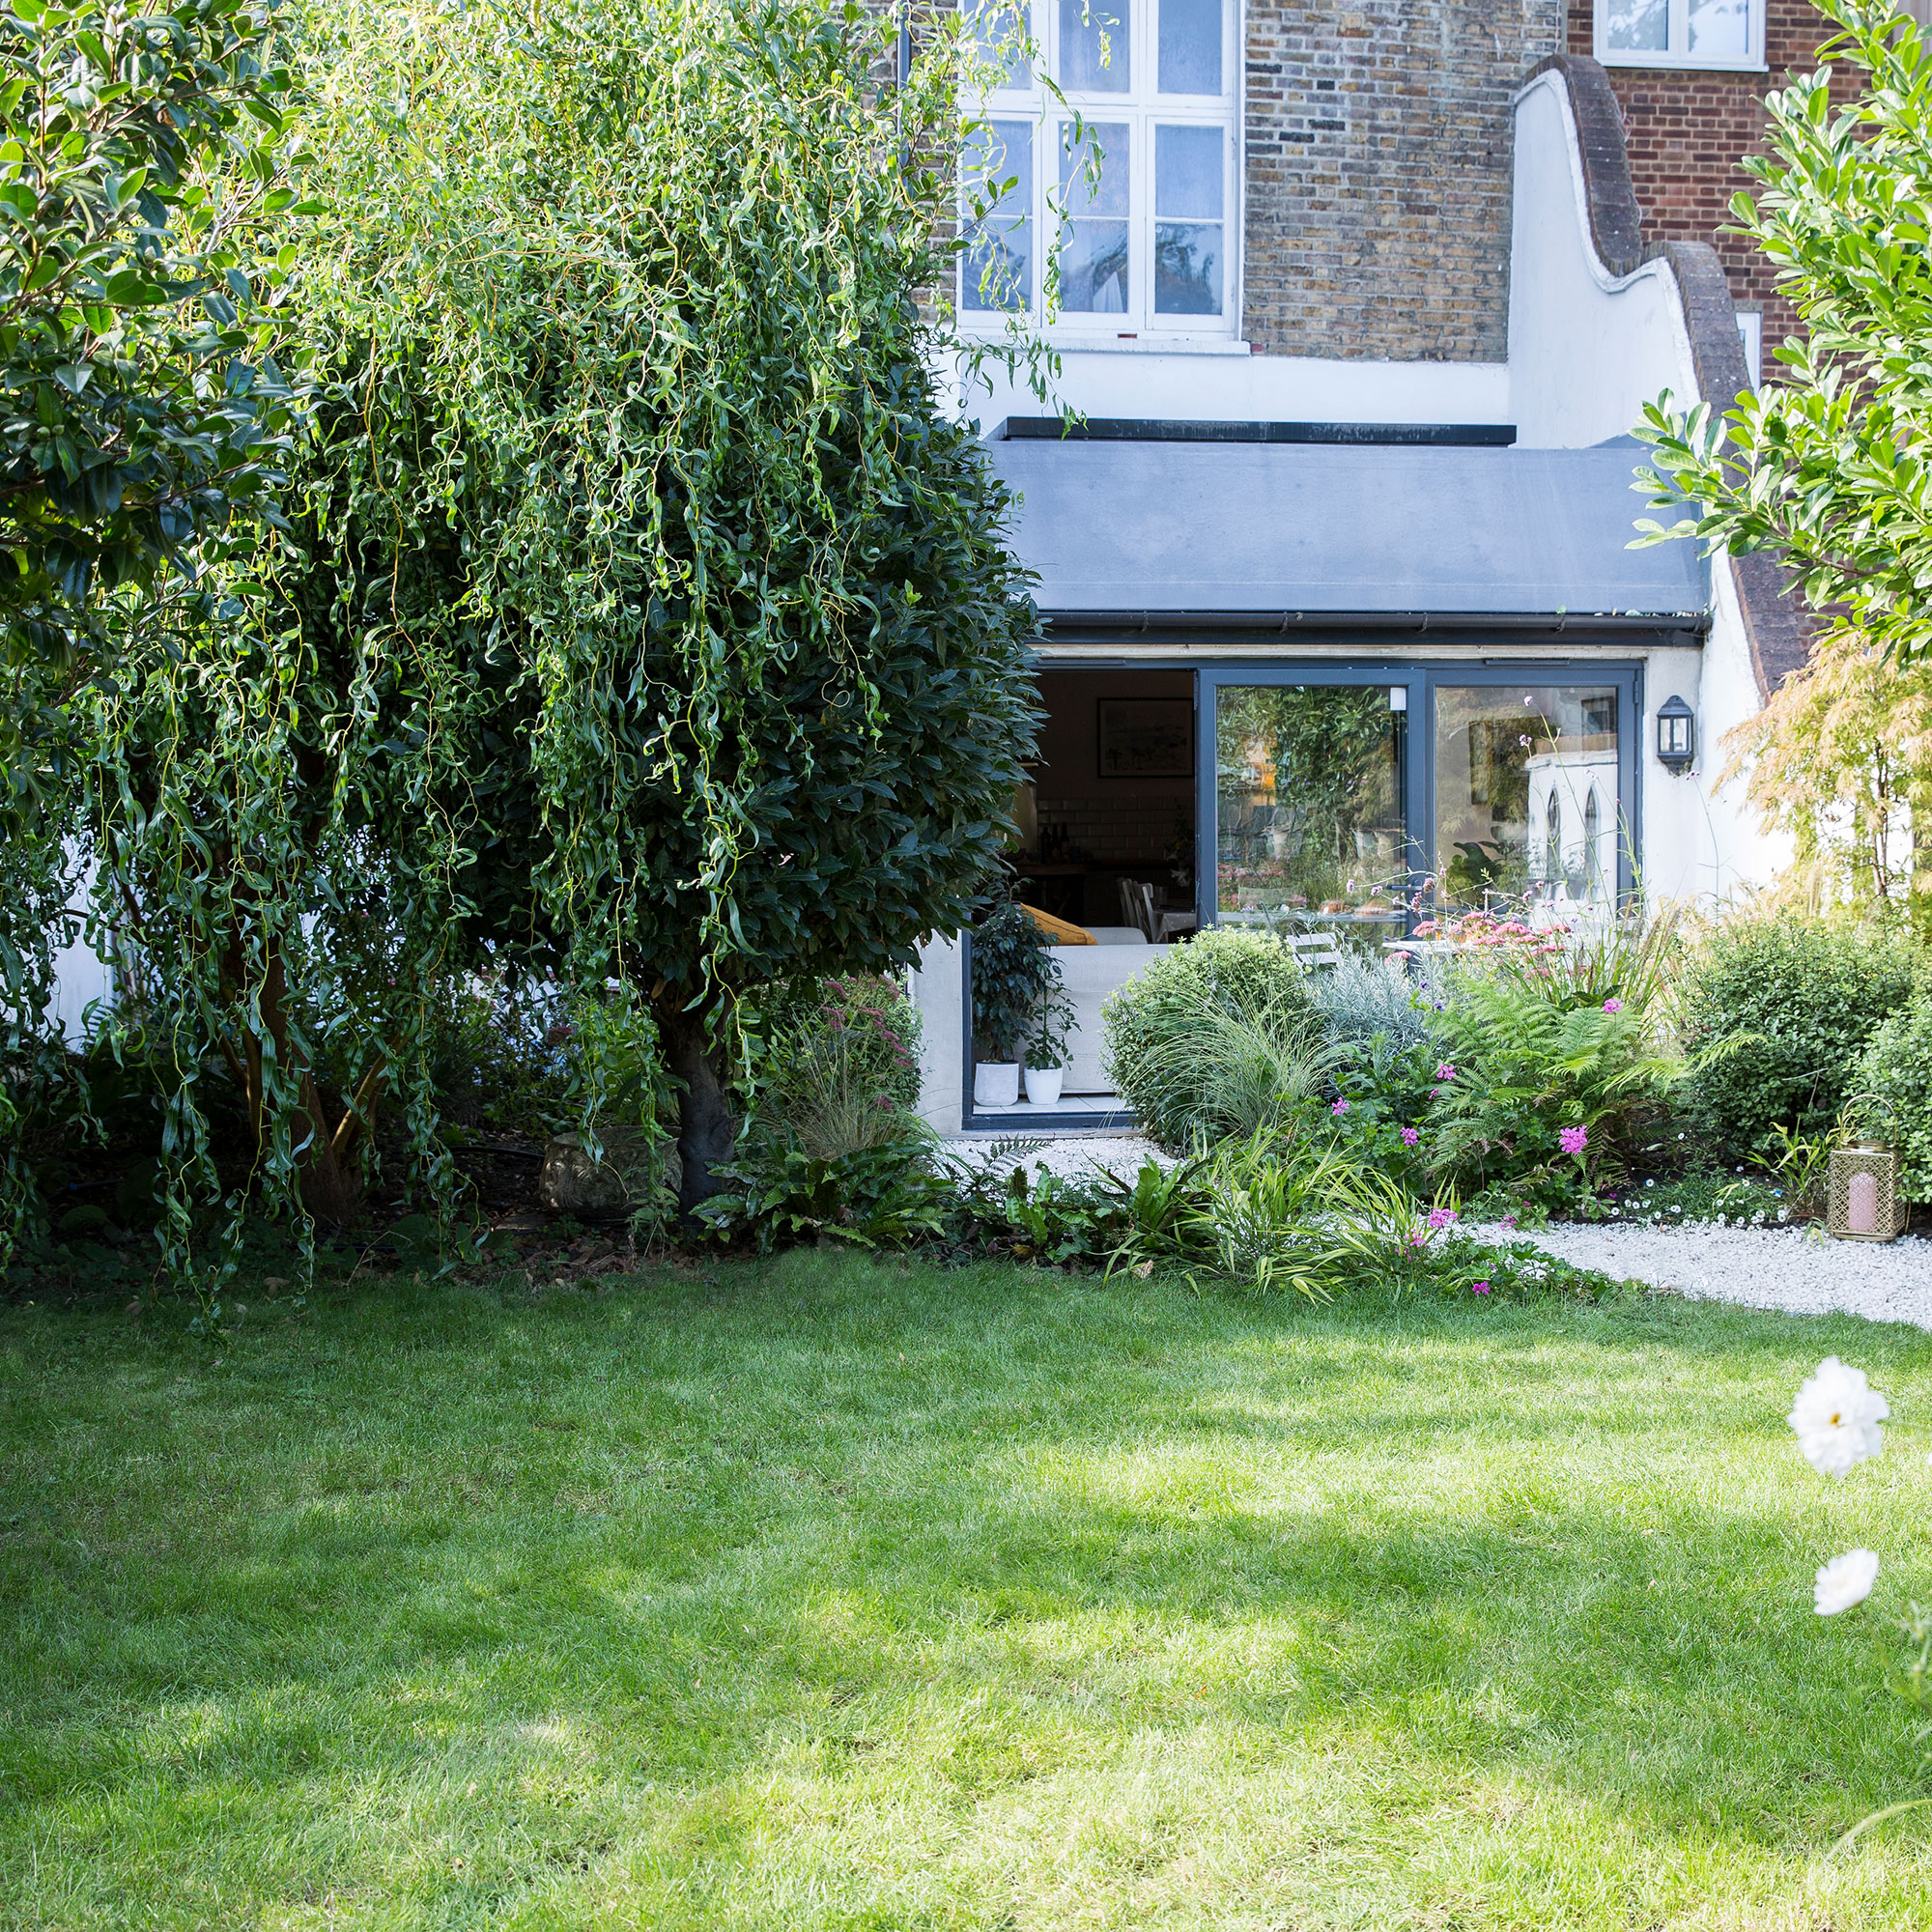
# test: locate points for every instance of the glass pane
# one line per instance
(1720, 29)
(1636, 25)
(995, 270)
(1190, 47)
(1310, 826)
(1000, 29)
(1527, 806)
(1094, 46)
(1187, 268)
(1187, 173)
(1093, 254)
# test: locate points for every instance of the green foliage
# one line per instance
(1364, 997)
(1830, 467)
(1529, 1057)
(144, 155)
(1892, 1086)
(838, 1065)
(1723, 1199)
(1215, 1036)
(636, 614)
(872, 1196)
(1016, 982)
(1801, 998)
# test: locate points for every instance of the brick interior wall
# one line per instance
(1686, 132)
(1379, 150)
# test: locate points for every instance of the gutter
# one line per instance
(1582, 625)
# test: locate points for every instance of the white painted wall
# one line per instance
(1587, 351)
(1229, 385)
(938, 994)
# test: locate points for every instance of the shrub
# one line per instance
(1896, 1073)
(1539, 1085)
(1362, 998)
(837, 1070)
(1216, 1037)
(1803, 998)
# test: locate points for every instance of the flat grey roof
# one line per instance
(1224, 528)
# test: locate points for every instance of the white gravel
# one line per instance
(1070, 1156)
(1801, 1270)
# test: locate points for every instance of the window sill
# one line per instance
(1685, 64)
(1067, 344)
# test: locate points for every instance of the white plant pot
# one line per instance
(1042, 1083)
(996, 1083)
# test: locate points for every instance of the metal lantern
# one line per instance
(1676, 734)
(1862, 1198)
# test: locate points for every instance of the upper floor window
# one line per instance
(1128, 181)
(1680, 33)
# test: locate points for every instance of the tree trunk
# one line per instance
(705, 1130)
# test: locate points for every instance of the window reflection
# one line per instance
(1522, 781)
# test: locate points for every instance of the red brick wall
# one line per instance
(1686, 132)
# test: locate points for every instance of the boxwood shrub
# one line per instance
(1813, 993)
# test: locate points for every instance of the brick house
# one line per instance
(1338, 608)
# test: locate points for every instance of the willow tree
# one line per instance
(640, 615)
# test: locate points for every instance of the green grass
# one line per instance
(828, 1593)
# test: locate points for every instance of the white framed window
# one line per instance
(1680, 33)
(1132, 181)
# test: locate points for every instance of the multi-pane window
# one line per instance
(1680, 33)
(1129, 179)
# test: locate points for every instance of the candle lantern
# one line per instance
(1862, 1200)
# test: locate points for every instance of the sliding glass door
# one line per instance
(1361, 799)
(1311, 802)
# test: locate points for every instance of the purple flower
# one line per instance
(1573, 1140)
(1479, 1288)
(1416, 1237)
(1509, 1220)
(1410, 1136)
(1445, 1071)
(1613, 1005)
(1340, 1107)
(1442, 1217)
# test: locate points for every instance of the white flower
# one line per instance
(1836, 1416)
(1843, 1581)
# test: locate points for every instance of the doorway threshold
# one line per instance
(1103, 1113)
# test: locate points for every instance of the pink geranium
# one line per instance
(1410, 1136)
(1573, 1140)
(1613, 1005)
(1340, 1107)
(1442, 1217)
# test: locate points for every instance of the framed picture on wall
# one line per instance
(1146, 737)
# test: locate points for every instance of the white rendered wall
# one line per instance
(938, 993)
(1587, 351)
(1232, 385)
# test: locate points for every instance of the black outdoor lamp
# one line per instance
(1676, 734)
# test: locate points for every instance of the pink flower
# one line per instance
(1416, 1237)
(1445, 1071)
(1340, 1107)
(1509, 1221)
(1479, 1288)
(1410, 1136)
(1442, 1217)
(1573, 1140)
(1434, 1090)
(1613, 1005)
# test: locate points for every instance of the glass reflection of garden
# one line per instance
(1526, 796)
(1308, 792)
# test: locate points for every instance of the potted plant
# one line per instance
(1046, 1045)
(1013, 972)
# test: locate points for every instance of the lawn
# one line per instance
(833, 1593)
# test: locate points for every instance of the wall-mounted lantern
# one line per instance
(1676, 734)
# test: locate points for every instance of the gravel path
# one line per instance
(1801, 1270)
